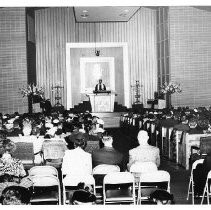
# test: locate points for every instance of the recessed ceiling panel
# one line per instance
(104, 14)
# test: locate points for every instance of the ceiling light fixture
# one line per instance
(84, 16)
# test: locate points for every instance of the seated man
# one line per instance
(107, 154)
(100, 86)
(144, 152)
(77, 161)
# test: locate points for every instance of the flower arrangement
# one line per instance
(32, 90)
(171, 88)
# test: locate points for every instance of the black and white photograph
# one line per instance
(105, 103)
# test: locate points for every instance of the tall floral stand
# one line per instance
(30, 102)
(168, 100)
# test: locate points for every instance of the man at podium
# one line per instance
(100, 86)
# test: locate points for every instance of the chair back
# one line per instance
(156, 177)
(143, 167)
(119, 187)
(46, 189)
(105, 169)
(200, 161)
(118, 178)
(53, 149)
(44, 181)
(75, 179)
(24, 152)
(71, 181)
(43, 171)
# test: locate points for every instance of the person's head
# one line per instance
(107, 141)
(36, 131)
(83, 195)
(15, 195)
(100, 81)
(80, 141)
(27, 129)
(162, 197)
(7, 146)
(143, 137)
(192, 122)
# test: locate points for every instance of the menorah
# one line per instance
(137, 89)
(57, 94)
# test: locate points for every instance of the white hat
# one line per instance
(100, 121)
(55, 121)
(99, 130)
(48, 125)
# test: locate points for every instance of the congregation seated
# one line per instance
(107, 154)
(144, 152)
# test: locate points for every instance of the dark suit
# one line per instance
(107, 155)
(100, 87)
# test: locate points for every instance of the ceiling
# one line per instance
(104, 14)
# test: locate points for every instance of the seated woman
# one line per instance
(11, 167)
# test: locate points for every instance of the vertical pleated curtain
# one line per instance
(142, 51)
(56, 26)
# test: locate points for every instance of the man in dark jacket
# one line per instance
(107, 154)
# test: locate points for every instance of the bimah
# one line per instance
(102, 101)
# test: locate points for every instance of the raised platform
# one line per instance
(111, 119)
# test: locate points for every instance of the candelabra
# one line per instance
(137, 91)
(57, 94)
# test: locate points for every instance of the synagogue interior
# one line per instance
(105, 105)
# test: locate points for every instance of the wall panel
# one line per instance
(13, 71)
(190, 52)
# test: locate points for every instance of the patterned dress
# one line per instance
(11, 166)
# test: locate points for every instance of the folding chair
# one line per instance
(149, 182)
(99, 173)
(25, 152)
(118, 187)
(191, 182)
(207, 189)
(43, 171)
(53, 152)
(46, 189)
(70, 183)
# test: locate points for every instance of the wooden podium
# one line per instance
(102, 102)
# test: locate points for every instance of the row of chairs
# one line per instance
(207, 189)
(115, 186)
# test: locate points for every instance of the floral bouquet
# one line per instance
(32, 90)
(171, 88)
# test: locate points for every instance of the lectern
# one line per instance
(102, 101)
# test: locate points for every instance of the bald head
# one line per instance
(143, 137)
